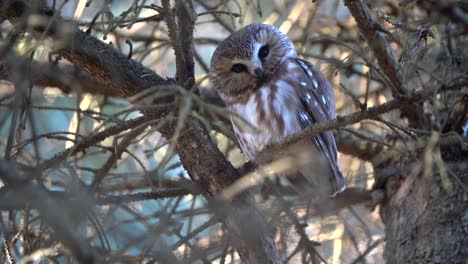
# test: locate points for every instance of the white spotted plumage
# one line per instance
(272, 94)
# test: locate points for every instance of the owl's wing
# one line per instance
(318, 105)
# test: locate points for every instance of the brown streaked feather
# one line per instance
(260, 110)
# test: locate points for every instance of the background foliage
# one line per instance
(95, 168)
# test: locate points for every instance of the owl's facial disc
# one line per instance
(254, 65)
(248, 59)
(252, 69)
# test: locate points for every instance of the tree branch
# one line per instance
(65, 77)
(372, 112)
(200, 156)
(57, 214)
(355, 146)
(372, 31)
(186, 17)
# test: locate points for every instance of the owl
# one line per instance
(272, 94)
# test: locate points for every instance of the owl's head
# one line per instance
(248, 59)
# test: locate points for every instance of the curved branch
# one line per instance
(65, 77)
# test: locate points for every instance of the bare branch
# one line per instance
(53, 213)
(373, 33)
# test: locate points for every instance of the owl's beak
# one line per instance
(260, 75)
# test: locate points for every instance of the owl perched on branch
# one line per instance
(272, 94)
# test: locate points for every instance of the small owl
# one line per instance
(272, 94)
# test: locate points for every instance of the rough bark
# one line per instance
(425, 214)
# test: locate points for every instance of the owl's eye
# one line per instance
(238, 67)
(263, 52)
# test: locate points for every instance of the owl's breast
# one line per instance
(267, 117)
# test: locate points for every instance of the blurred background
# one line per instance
(145, 204)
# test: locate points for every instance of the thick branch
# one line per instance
(186, 17)
(125, 76)
(65, 77)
